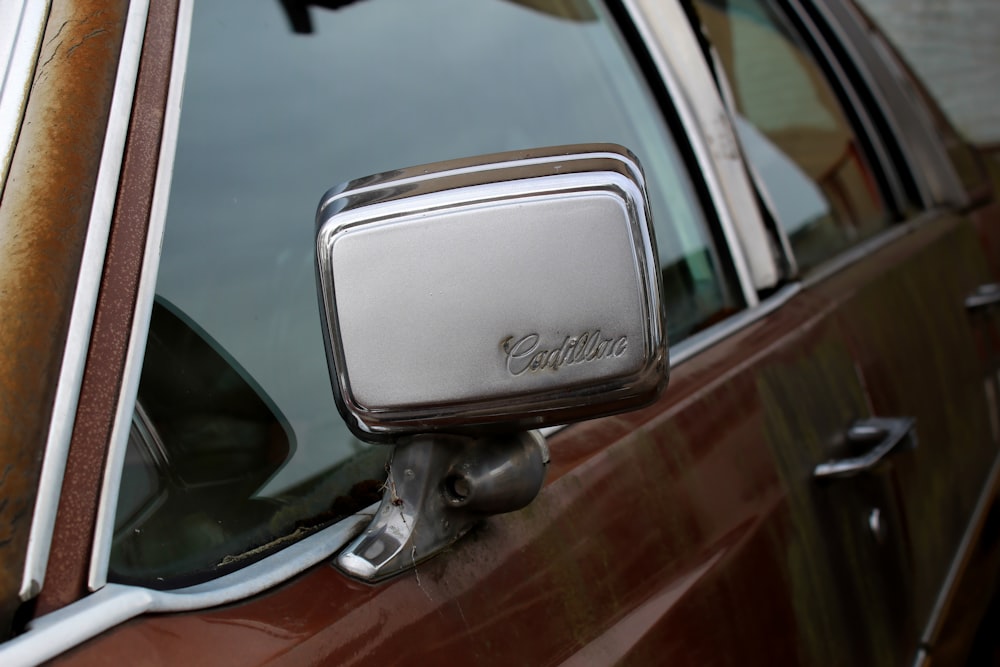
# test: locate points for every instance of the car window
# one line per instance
(793, 130)
(243, 448)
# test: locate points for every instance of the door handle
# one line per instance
(885, 435)
(983, 297)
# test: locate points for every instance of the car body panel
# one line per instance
(541, 582)
(658, 525)
(909, 359)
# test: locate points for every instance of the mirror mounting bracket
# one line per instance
(438, 487)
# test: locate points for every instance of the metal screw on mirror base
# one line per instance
(438, 487)
(458, 489)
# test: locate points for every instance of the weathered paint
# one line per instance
(922, 359)
(690, 532)
(43, 222)
(69, 558)
(919, 359)
(661, 536)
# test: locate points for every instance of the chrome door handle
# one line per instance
(885, 436)
(983, 297)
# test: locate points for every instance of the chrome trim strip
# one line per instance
(70, 626)
(961, 558)
(691, 347)
(84, 305)
(105, 521)
(858, 252)
(767, 201)
(666, 31)
(21, 29)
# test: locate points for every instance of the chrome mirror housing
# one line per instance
(514, 291)
(467, 302)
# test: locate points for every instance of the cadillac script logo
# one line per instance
(528, 354)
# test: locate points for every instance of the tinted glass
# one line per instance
(271, 119)
(793, 130)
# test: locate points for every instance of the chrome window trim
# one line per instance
(105, 520)
(701, 341)
(858, 252)
(84, 619)
(84, 305)
(674, 49)
(21, 28)
(760, 187)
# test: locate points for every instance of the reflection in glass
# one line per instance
(793, 131)
(272, 118)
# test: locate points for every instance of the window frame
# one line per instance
(892, 130)
(676, 56)
(50, 489)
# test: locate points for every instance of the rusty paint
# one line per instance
(43, 223)
(66, 578)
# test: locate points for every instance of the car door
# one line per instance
(690, 531)
(925, 267)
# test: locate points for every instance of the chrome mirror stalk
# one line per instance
(438, 487)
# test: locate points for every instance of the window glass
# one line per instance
(793, 130)
(282, 101)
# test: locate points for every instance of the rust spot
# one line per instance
(66, 577)
(43, 223)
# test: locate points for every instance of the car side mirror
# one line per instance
(480, 297)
